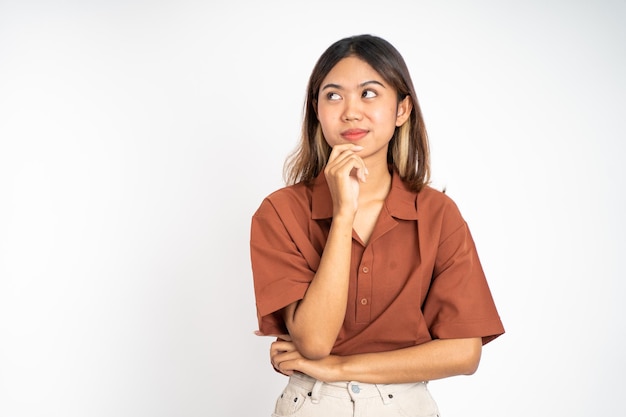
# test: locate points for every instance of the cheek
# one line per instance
(326, 121)
(324, 114)
(325, 131)
(385, 116)
(330, 139)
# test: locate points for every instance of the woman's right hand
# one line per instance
(344, 170)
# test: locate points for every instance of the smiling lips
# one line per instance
(353, 134)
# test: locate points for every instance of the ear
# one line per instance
(404, 110)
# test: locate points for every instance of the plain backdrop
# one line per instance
(138, 137)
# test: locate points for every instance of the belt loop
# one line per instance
(316, 391)
(384, 395)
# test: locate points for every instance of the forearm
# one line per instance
(432, 360)
(315, 321)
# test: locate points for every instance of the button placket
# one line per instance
(364, 288)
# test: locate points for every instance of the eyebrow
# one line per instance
(363, 84)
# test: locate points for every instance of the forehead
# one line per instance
(351, 71)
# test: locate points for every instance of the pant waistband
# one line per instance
(348, 389)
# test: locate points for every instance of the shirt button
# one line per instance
(363, 301)
(365, 270)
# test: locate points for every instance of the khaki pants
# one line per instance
(307, 397)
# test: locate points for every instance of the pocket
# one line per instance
(416, 402)
(291, 402)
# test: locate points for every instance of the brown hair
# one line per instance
(408, 150)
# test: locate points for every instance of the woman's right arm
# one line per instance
(315, 321)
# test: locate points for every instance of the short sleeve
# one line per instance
(459, 303)
(280, 270)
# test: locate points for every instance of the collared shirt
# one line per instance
(418, 277)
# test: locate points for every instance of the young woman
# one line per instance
(368, 276)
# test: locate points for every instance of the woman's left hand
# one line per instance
(286, 359)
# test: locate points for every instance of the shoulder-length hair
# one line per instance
(408, 151)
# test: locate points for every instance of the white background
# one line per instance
(138, 137)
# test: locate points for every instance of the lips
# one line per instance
(354, 134)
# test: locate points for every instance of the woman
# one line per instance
(369, 277)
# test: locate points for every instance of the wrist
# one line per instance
(337, 368)
(343, 219)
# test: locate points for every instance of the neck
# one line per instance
(378, 182)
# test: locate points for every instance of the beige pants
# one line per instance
(307, 397)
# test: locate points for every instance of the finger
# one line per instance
(280, 336)
(339, 149)
(348, 164)
(341, 158)
(345, 146)
(362, 173)
(285, 370)
(286, 367)
(285, 356)
(282, 346)
(286, 361)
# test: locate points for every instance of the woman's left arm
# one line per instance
(436, 359)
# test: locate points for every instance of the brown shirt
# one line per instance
(418, 278)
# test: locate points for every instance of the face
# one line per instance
(356, 105)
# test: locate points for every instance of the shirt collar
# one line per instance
(401, 202)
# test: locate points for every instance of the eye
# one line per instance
(333, 96)
(369, 94)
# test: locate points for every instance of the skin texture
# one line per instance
(358, 112)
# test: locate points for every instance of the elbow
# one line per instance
(313, 349)
(471, 368)
(471, 359)
(312, 345)
(315, 355)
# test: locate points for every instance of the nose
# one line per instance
(352, 110)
